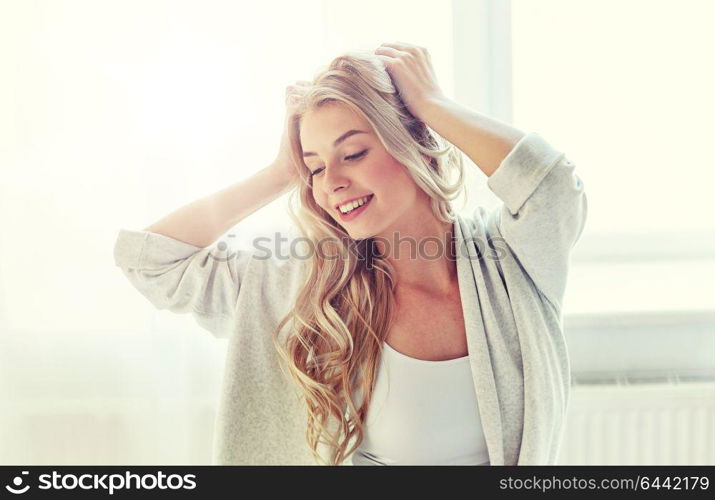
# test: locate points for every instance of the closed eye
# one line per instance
(348, 158)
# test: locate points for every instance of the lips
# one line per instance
(337, 206)
(356, 212)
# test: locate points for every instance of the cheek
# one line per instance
(388, 177)
(320, 199)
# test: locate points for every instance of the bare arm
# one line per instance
(485, 140)
(544, 206)
(203, 221)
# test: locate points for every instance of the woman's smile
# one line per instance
(346, 217)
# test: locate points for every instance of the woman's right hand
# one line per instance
(284, 164)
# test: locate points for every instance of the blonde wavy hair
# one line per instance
(343, 312)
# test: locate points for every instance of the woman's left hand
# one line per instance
(410, 68)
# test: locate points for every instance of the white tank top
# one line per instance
(422, 413)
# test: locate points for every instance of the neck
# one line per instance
(423, 253)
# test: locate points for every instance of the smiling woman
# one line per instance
(371, 169)
(371, 338)
(358, 165)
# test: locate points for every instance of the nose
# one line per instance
(335, 180)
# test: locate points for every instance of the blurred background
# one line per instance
(113, 114)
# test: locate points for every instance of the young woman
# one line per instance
(408, 334)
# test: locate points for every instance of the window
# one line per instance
(622, 89)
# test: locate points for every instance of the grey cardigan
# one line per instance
(512, 267)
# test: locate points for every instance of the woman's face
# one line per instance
(357, 167)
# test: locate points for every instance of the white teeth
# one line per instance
(349, 207)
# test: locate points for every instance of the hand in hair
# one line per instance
(283, 164)
(410, 68)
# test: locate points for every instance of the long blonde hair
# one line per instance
(343, 312)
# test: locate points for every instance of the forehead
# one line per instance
(320, 127)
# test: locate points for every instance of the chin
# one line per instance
(359, 235)
(363, 232)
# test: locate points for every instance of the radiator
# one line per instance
(624, 423)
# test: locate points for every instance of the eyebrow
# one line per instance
(337, 141)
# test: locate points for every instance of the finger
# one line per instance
(299, 84)
(404, 46)
(296, 89)
(389, 51)
(387, 61)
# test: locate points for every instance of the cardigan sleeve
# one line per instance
(543, 211)
(183, 278)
